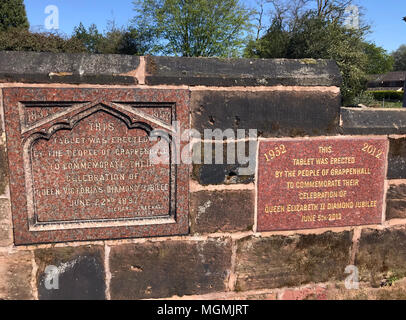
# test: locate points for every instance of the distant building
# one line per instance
(388, 81)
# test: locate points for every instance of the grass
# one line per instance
(366, 98)
(386, 104)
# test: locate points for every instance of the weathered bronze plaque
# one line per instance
(80, 163)
(320, 182)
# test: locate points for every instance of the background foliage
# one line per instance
(13, 15)
(399, 57)
(193, 28)
(299, 30)
(292, 29)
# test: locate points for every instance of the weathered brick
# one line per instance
(6, 238)
(373, 121)
(250, 296)
(229, 171)
(272, 113)
(47, 67)
(397, 159)
(308, 293)
(1, 119)
(396, 290)
(15, 275)
(381, 255)
(5, 234)
(3, 169)
(396, 202)
(4, 209)
(221, 211)
(241, 72)
(165, 269)
(280, 261)
(80, 271)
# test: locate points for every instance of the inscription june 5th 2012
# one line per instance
(311, 183)
(98, 170)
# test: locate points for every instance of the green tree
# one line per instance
(299, 32)
(318, 38)
(379, 61)
(115, 40)
(129, 40)
(13, 15)
(400, 58)
(274, 44)
(195, 27)
(16, 39)
(91, 38)
(134, 42)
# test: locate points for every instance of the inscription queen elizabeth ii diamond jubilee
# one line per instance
(320, 182)
(80, 164)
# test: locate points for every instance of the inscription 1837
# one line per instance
(314, 183)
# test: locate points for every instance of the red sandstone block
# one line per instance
(381, 255)
(222, 211)
(229, 172)
(4, 210)
(291, 261)
(273, 113)
(5, 223)
(396, 202)
(3, 170)
(252, 296)
(81, 274)
(169, 268)
(311, 293)
(5, 234)
(395, 290)
(15, 276)
(397, 158)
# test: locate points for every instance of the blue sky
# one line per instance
(388, 30)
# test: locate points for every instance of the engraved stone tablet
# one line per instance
(80, 163)
(320, 182)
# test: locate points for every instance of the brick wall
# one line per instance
(222, 256)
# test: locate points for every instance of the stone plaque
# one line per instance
(80, 166)
(320, 182)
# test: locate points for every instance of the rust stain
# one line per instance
(60, 74)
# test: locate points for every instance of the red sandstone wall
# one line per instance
(224, 256)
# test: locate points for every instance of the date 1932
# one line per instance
(275, 153)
